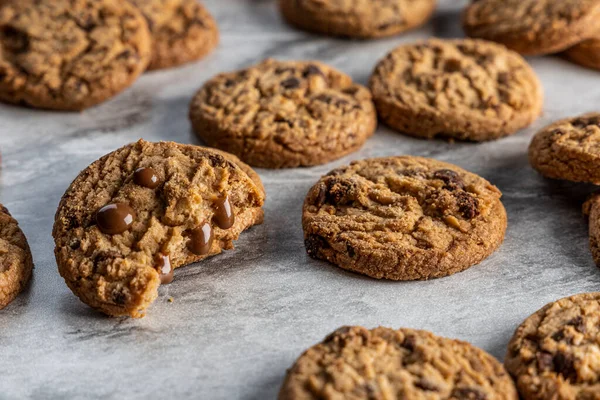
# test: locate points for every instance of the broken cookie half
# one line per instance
(136, 214)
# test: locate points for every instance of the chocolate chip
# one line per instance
(229, 83)
(452, 65)
(340, 191)
(119, 298)
(312, 70)
(558, 336)
(544, 361)
(164, 268)
(224, 217)
(585, 122)
(201, 239)
(564, 364)
(15, 39)
(578, 323)
(468, 394)
(502, 78)
(350, 250)
(409, 343)
(313, 244)
(427, 385)
(146, 177)
(291, 83)
(280, 119)
(329, 99)
(451, 179)
(115, 218)
(75, 244)
(468, 205)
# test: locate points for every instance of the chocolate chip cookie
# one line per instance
(586, 53)
(283, 114)
(70, 54)
(568, 149)
(16, 262)
(458, 89)
(356, 363)
(591, 209)
(533, 26)
(182, 31)
(554, 354)
(403, 218)
(357, 18)
(143, 210)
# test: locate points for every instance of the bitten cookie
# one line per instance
(554, 353)
(591, 209)
(356, 363)
(70, 54)
(143, 210)
(532, 26)
(403, 218)
(16, 262)
(459, 89)
(282, 114)
(357, 18)
(182, 31)
(586, 53)
(568, 149)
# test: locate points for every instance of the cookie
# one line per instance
(591, 209)
(16, 262)
(554, 353)
(568, 149)
(356, 363)
(136, 214)
(283, 114)
(357, 18)
(586, 53)
(182, 31)
(532, 27)
(70, 54)
(403, 218)
(457, 89)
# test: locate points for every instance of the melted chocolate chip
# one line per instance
(544, 361)
(564, 364)
(224, 217)
(201, 240)
(313, 244)
(578, 323)
(585, 122)
(291, 83)
(410, 342)
(119, 298)
(503, 78)
(164, 268)
(468, 205)
(115, 218)
(146, 177)
(558, 336)
(451, 179)
(312, 70)
(15, 39)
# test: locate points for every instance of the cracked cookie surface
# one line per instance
(403, 218)
(568, 149)
(16, 263)
(357, 18)
(554, 353)
(586, 53)
(182, 31)
(458, 89)
(145, 207)
(283, 114)
(532, 26)
(356, 363)
(69, 54)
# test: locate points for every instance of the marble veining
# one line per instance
(240, 319)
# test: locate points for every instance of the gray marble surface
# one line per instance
(240, 319)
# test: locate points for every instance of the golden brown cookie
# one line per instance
(568, 149)
(70, 54)
(591, 209)
(182, 31)
(460, 89)
(586, 53)
(533, 26)
(357, 18)
(554, 354)
(403, 218)
(143, 210)
(282, 114)
(16, 262)
(355, 363)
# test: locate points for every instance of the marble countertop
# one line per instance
(240, 319)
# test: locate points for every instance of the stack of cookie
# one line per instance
(74, 54)
(536, 27)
